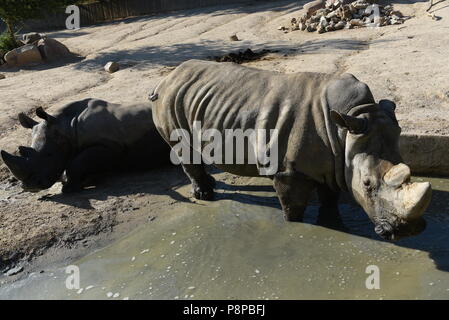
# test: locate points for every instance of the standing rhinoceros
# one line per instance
(83, 139)
(332, 136)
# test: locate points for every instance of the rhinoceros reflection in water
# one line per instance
(85, 138)
(332, 136)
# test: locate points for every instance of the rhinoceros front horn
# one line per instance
(413, 198)
(416, 199)
(17, 165)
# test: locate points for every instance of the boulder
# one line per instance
(2, 54)
(2, 76)
(112, 67)
(28, 54)
(32, 37)
(52, 50)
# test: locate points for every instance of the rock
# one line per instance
(14, 271)
(323, 22)
(433, 16)
(322, 12)
(234, 38)
(112, 67)
(315, 18)
(2, 76)
(322, 25)
(32, 37)
(360, 4)
(394, 21)
(28, 54)
(356, 23)
(397, 13)
(52, 50)
(340, 25)
(331, 15)
(312, 27)
(330, 27)
(311, 7)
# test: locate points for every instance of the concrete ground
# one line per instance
(406, 63)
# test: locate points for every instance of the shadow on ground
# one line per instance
(173, 55)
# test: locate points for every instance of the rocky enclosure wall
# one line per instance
(426, 154)
(104, 11)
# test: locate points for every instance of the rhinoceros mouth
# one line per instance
(398, 230)
(33, 187)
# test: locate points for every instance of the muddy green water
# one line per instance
(239, 247)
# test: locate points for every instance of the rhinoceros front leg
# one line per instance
(329, 216)
(293, 190)
(94, 160)
(202, 183)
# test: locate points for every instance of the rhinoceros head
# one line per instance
(375, 173)
(38, 167)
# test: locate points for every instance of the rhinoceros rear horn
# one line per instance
(26, 152)
(397, 175)
(353, 124)
(40, 112)
(26, 121)
(17, 165)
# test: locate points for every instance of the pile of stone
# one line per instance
(242, 56)
(35, 49)
(325, 16)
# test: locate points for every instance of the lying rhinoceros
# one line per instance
(332, 136)
(83, 139)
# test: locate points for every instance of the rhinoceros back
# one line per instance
(128, 129)
(228, 96)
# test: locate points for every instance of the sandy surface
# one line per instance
(407, 63)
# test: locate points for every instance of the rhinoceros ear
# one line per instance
(40, 112)
(26, 121)
(353, 124)
(387, 105)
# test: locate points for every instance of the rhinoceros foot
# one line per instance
(294, 213)
(71, 188)
(204, 190)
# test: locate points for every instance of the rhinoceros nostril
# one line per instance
(385, 230)
(378, 229)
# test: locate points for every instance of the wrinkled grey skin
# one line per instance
(332, 136)
(83, 139)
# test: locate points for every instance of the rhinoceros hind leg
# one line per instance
(202, 183)
(94, 160)
(293, 190)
